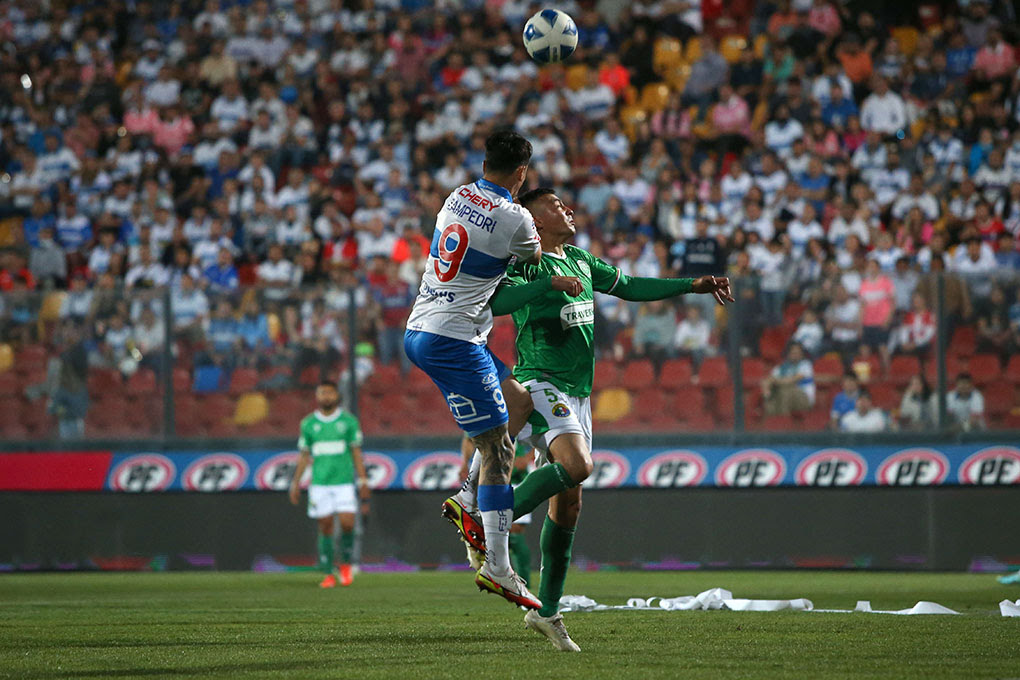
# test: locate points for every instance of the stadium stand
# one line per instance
(251, 163)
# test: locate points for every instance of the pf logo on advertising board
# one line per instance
(381, 470)
(913, 467)
(831, 467)
(215, 472)
(609, 470)
(672, 469)
(143, 472)
(751, 467)
(275, 473)
(433, 471)
(992, 466)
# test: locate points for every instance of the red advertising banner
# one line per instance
(65, 471)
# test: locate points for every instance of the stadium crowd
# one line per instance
(260, 159)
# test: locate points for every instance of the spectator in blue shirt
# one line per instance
(253, 327)
(74, 230)
(845, 401)
(839, 108)
(41, 218)
(222, 276)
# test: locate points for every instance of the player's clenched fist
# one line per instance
(571, 285)
(718, 286)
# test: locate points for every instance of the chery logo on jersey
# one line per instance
(751, 467)
(143, 472)
(277, 471)
(992, 466)
(440, 470)
(215, 472)
(381, 470)
(609, 470)
(672, 469)
(913, 467)
(831, 467)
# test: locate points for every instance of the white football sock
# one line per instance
(497, 539)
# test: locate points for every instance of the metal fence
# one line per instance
(910, 352)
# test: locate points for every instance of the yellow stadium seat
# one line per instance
(692, 51)
(907, 37)
(611, 404)
(577, 76)
(761, 45)
(10, 231)
(6, 357)
(655, 96)
(273, 321)
(251, 408)
(631, 117)
(51, 304)
(667, 53)
(678, 75)
(732, 46)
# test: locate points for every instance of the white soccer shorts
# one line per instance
(325, 500)
(555, 413)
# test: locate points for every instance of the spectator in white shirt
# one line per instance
(975, 261)
(612, 143)
(276, 273)
(782, 131)
(164, 91)
(230, 109)
(790, 387)
(594, 101)
(916, 196)
(883, 110)
(865, 417)
(633, 191)
(452, 174)
(965, 405)
(809, 333)
(849, 221)
(693, 335)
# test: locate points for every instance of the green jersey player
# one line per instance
(556, 363)
(330, 442)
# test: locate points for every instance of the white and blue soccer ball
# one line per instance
(550, 36)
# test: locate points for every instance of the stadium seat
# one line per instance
(142, 383)
(902, 368)
(638, 374)
(954, 366)
(732, 46)
(6, 357)
(984, 368)
(207, 379)
(675, 374)
(828, 369)
(607, 374)
(1013, 368)
(714, 372)
(777, 424)
(907, 38)
(753, 371)
(275, 328)
(1000, 397)
(815, 420)
(964, 342)
(577, 76)
(611, 404)
(10, 386)
(667, 54)
(251, 408)
(181, 380)
(692, 51)
(310, 376)
(654, 97)
(243, 380)
(772, 344)
(703, 421)
(103, 381)
(31, 359)
(885, 395)
(417, 382)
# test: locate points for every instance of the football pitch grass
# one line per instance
(436, 625)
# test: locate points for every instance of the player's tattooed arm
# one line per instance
(497, 451)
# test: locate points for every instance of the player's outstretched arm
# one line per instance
(637, 289)
(511, 296)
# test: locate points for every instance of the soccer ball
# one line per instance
(550, 36)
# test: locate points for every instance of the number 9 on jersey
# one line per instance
(453, 245)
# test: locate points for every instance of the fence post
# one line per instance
(352, 341)
(166, 364)
(940, 350)
(735, 332)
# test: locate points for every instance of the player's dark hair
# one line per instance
(505, 151)
(529, 197)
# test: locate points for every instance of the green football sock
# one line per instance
(346, 547)
(520, 557)
(556, 543)
(541, 484)
(325, 553)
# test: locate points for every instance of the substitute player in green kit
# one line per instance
(556, 363)
(330, 442)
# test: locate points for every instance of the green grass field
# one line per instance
(436, 625)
